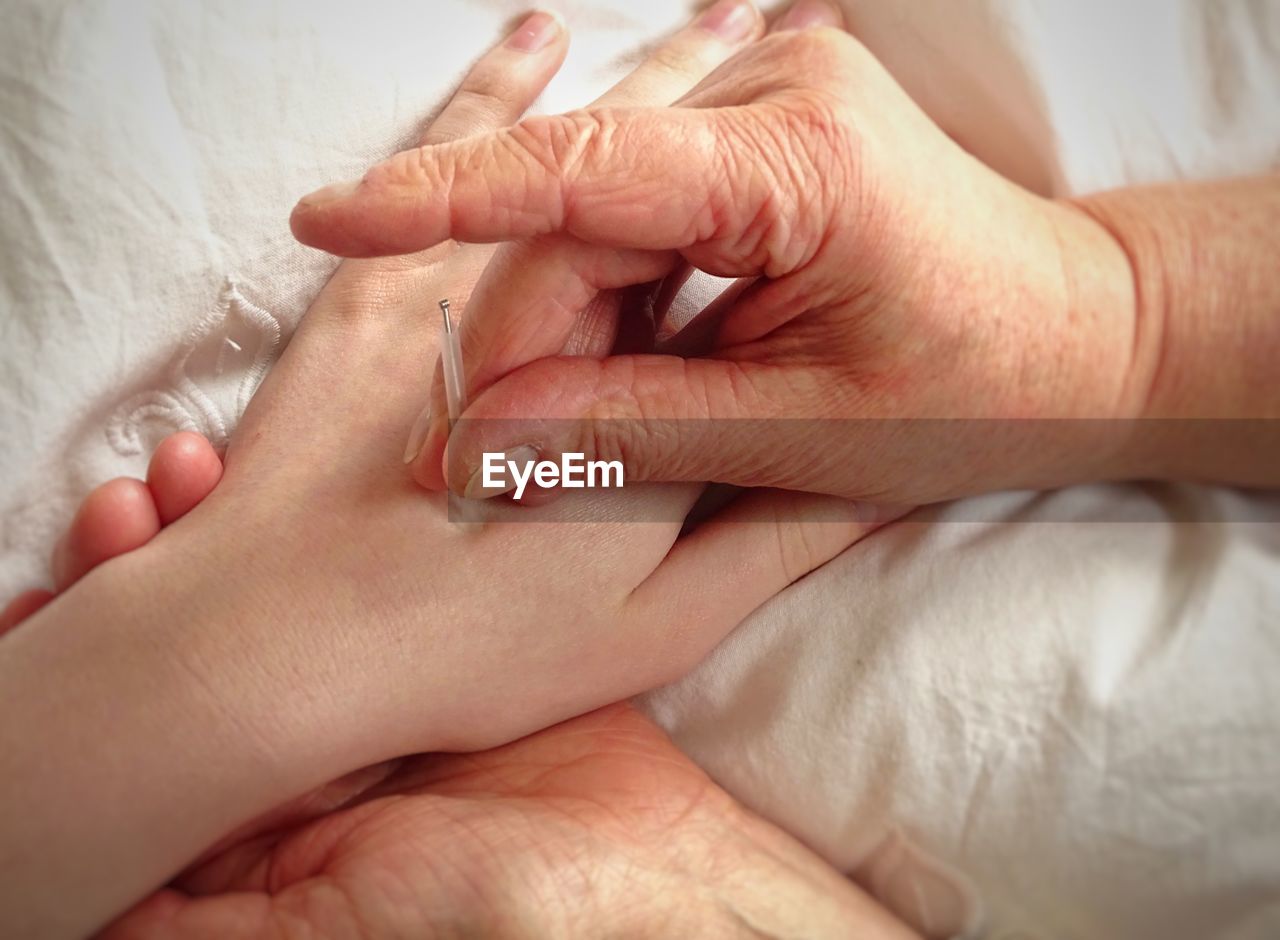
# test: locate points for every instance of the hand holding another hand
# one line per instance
(900, 284)
(314, 615)
(595, 827)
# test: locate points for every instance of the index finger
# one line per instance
(603, 175)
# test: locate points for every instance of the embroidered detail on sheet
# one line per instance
(210, 380)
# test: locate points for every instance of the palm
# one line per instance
(552, 826)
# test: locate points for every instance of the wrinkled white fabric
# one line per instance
(1020, 716)
(1079, 716)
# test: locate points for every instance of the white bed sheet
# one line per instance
(1016, 719)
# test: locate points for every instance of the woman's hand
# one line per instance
(899, 279)
(902, 286)
(596, 827)
(315, 615)
(543, 836)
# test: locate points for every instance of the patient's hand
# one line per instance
(315, 614)
(596, 827)
(542, 837)
(414, 632)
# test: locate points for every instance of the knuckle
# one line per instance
(715, 145)
(557, 144)
(633, 419)
(613, 438)
(614, 421)
(556, 148)
(584, 139)
(767, 212)
(649, 449)
(746, 386)
(412, 167)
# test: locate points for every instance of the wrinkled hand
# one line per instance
(897, 278)
(597, 827)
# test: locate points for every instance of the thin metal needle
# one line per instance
(455, 393)
(455, 384)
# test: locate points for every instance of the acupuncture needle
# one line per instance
(461, 511)
(455, 385)
(455, 401)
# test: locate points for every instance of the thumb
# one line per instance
(661, 417)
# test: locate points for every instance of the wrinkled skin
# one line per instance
(899, 279)
(597, 827)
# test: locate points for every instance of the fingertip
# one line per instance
(117, 517)
(539, 32)
(183, 445)
(327, 195)
(311, 223)
(183, 471)
(732, 21)
(396, 209)
(506, 80)
(301, 224)
(343, 219)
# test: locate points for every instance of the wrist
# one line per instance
(244, 651)
(122, 753)
(1106, 345)
(1201, 261)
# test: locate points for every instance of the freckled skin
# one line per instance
(901, 280)
(552, 834)
(916, 285)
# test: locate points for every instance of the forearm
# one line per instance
(128, 744)
(1204, 260)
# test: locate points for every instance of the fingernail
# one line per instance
(731, 20)
(331, 193)
(806, 13)
(418, 435)
(536, 32)
(521, 456)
